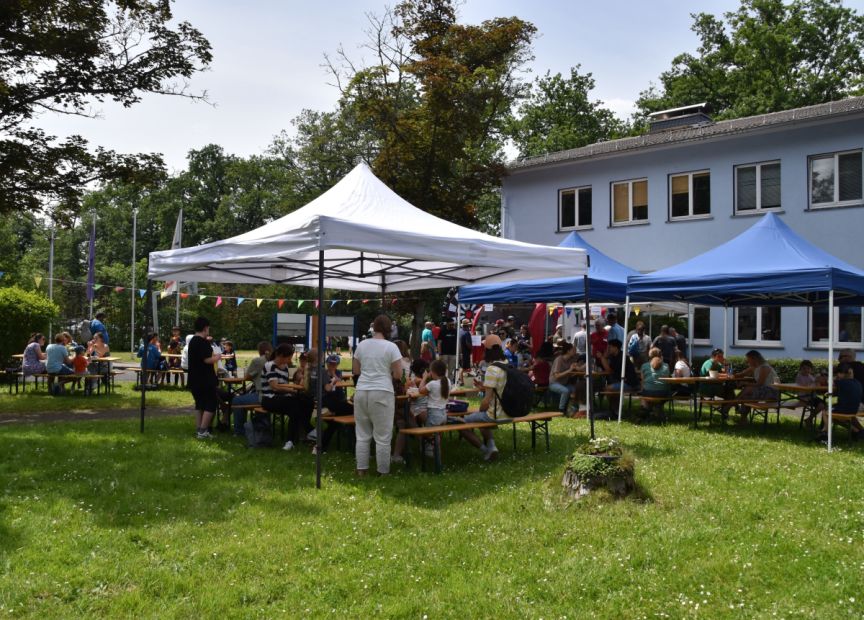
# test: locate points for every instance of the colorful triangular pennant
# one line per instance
(280, 303)
(258, 303)
(119, 289)
(218, 301)
(37, 280)
(240, 300)
(142, 292)
(300, 302)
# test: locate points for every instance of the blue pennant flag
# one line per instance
(240, 300)
(142, 292)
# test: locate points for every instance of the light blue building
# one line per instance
(691, 184)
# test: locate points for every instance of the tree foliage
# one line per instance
(62, 56)
(559, 115)
(23, 313)
(436, 102)
(766, 56)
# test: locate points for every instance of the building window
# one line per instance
(701, 325)
(757, 187)
(689, 194)
(757, 326)
(630, 202)
(835, 180)
(574, 208)
(848, 321)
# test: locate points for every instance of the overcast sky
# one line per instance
(268, 56)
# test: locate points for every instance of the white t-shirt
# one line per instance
(681, 369)
(376, 356)
(436, 401)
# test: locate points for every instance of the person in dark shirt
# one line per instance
(667, 345)
(611, 363)
(202, 381)
(848, 356)
(849, 394)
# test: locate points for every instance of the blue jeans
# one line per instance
(249, 398)
(564, 391)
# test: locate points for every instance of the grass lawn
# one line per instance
(98, 520)
(123, 397)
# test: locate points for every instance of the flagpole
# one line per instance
(92, 265)
(134, 291)
(51, 275)
(179, 245)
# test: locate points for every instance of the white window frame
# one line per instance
(630, 221)
(579, 225)
(690, 215)
(701, 341)
(759, 208)
(818, 344)
(759, 342)
(836, 202)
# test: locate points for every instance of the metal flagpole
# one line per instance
(92, 266)
(624, 348)
(830, 395)
(134, 290)
(51, 275)
(319, 387)
(177, 283)
(588, 377)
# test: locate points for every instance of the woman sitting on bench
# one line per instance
(763, 389)
(652, 371)
(849, 394)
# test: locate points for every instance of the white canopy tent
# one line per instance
(361, 236)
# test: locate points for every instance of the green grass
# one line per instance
(98, 520)
(123, 397)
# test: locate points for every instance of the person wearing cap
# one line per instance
(252, 393)
(335, 400)
(494, 381)
(466, 344)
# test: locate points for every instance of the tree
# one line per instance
(558, 115)
(60, 56)
(437, 102)
(767, 56)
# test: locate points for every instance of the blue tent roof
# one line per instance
(607, 281)
(768, 264)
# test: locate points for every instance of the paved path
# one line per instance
(79, 415)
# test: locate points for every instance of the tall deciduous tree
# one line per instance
(62, 56)
(437, 101)
(559, 115)
(769, 55)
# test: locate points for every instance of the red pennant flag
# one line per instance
(365, 301)
(317, 303)
(280, 303)
(119, 289)
(218, 301)
(393, 301)
(184, 295)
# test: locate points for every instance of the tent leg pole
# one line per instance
(143, 382)
(830, 395)
(588, 368)
(458, 339)
(690, 335)
(319, 387)
(623, 358)
(725, 330)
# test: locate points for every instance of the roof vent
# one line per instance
(677, 118)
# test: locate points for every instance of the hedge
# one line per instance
(22, 314)
(786, 368)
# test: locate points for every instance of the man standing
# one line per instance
(97, 326)
(667, 345)
(447, 346)
(642, 344)
(510, 326)
(580, 339)
(429, 336)
(202, 377)
(466, 346)
(680, 341)
(616, 332)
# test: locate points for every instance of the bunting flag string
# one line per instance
(163, 294)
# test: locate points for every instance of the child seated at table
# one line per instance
(335, 400)
(417, 406)
(80, 361)
(230, 362)
(541, 367)
(849, 393)
(807, 378)
(682, 371)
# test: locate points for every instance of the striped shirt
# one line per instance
(282, 376)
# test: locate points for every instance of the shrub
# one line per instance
(786, 367)
(23, 313)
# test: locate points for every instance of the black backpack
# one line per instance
(518, 396)
(259, 431)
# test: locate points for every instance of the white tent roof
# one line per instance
(371, 237)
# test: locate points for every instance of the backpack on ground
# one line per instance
(259, 431)
(518, 395)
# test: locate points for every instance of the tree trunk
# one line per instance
(417, 328)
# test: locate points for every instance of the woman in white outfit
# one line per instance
(378, 362)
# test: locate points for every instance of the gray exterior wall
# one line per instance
(530, 207)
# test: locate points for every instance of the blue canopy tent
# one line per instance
(768, 264)
(607, 280)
